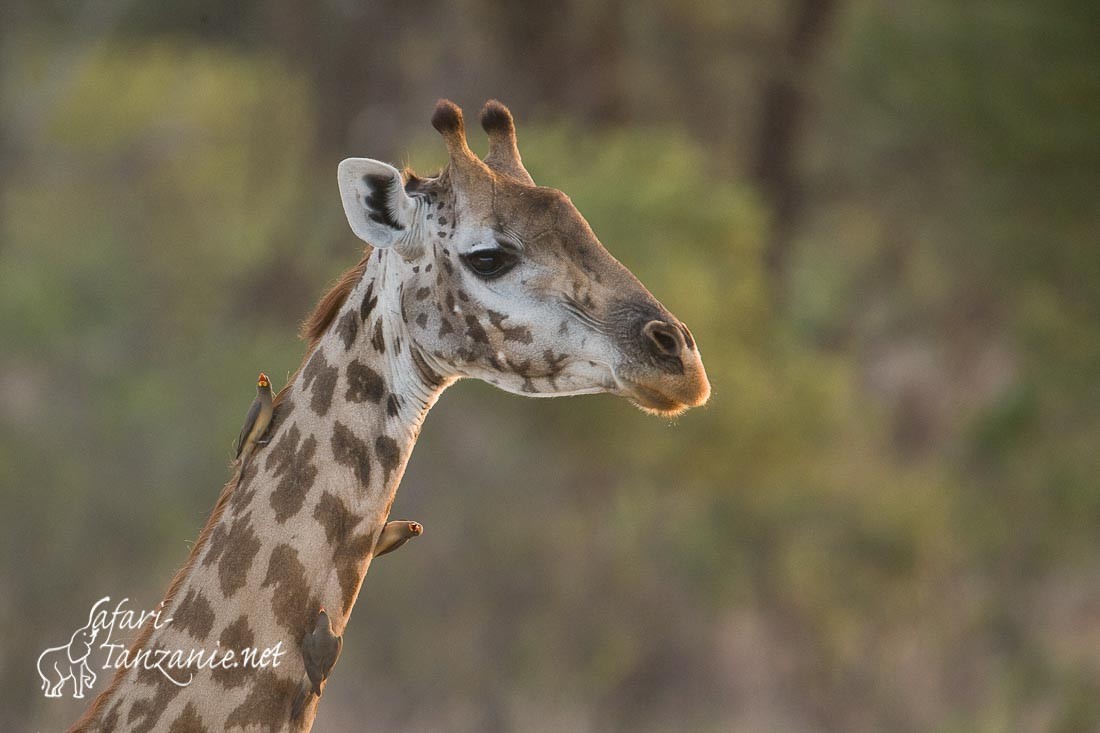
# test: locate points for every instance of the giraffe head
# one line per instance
(504, 281)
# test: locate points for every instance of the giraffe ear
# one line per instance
(378, 209)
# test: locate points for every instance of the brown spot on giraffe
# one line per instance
(322, 377)
(554, 363)
(284, 406)
(233, 549)
(348, 328)
(389, 454)
(522, 334)
(475, 331)
(370, 300)
(216, 545)
(292, 461)
(243, 493)
(378, 341)
(350, 550)
(188, 721)
(523, 369)
(146, 713)
(364, 384)
(267, 705)
(194, 615)
(237, 636)
(350, 451)
(292, 604)
(335, 518)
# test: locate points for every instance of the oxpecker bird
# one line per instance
(320, 650)
(256, 421)
(395, 534)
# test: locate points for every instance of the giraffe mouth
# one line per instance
(664, 394)
(652, 401)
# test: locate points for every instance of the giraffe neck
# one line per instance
(297, 531)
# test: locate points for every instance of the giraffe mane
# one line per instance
(314, 327)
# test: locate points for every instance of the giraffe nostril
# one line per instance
(663, 338)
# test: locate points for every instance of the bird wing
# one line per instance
(320, 655)
(249, 423)
(313, 664)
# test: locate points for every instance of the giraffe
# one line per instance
(475, 272)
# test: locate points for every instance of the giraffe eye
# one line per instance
(490, 263)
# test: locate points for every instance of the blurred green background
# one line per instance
(880, 219)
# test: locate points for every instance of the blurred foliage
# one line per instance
(885, 519)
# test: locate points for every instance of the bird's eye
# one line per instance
(490, 262)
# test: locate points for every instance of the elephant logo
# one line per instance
(59, 664)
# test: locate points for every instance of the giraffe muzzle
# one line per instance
(666, 375)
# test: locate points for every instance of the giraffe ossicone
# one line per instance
(474, 272)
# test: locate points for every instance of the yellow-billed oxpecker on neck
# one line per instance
(395, 534)
(320, 650)
(256, 421)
